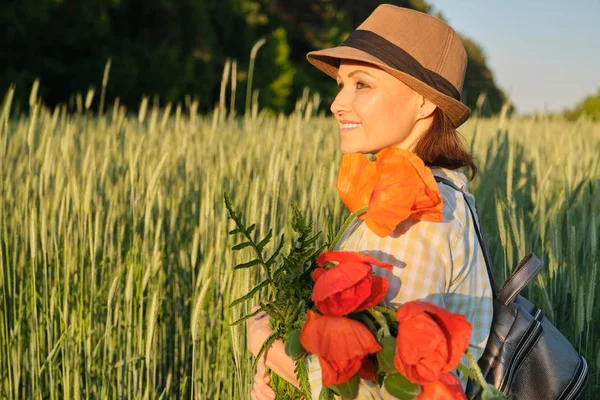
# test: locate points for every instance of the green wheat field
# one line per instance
(116, 272)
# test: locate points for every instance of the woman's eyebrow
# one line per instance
(356, 71)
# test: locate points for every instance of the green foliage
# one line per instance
(588, 107)
(278, 73)
(173, 49)
(290, 285)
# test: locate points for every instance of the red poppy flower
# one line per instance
(340, 343)
(349, 285)
(395, 187)
(431, 341)
(356, 180)
(405, 188)
(448, 387)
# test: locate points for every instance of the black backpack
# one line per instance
(526, 357)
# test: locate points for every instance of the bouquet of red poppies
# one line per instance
(410, 350)
(329, 303)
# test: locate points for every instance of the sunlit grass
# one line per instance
(115, 268)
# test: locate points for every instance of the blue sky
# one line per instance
(544, 54)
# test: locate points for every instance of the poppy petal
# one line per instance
(340, 343)
(338, 278)
(430, 342)
(420, 351)
(336, 337)
(317, 273)
(455, 326)
(355, 180)
(379, 288)
(367, 370)
(341, 256)
(394, 194)
(448, 387)
(345, 301)
(458, 329)
(405, 188)
(335, 372)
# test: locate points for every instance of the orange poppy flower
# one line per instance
(405, 188)
(430, 342)
(396, 187)
(448, 387)
(340, 343)
(356, 180)
(349, 285)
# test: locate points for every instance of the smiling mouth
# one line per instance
(349, 127)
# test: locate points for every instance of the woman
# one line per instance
(400, 75)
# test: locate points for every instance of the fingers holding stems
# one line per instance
(261, 389)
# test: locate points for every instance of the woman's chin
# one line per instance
(347, 147)
(351, 148)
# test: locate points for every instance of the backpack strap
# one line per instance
(527, 269)
(478, 231)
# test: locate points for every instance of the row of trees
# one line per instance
(588, 107)
(173, 48)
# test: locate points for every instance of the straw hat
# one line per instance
(420, 50)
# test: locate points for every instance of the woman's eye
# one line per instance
(361, 85)
(340, 85)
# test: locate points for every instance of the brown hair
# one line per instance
(441, 146)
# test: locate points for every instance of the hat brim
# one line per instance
(328, 61)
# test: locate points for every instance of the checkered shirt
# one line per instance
(441, 262)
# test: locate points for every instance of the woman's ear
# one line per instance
(426, 108)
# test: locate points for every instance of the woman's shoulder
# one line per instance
(454, 209)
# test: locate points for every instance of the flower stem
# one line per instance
(475, 368)
(380, 320)
(345, 226)
(386, 310)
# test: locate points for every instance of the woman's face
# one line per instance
(374, 109)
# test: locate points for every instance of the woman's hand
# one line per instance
(257, 331)
(261, 389)
(274, 357)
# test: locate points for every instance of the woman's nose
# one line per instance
(340, 104)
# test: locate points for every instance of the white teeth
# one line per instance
(350, 126)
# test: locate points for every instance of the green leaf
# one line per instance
(247, 264)
(268, 342)
(245, 317)
(313, 239)
(397, 385)
(250, 229)
(272, 259)
(250, 294)
(349, 389)
(325, 394)
(266, 240)
(293, 347)
(241, 246)
(302, 376)
(386, 355)
(491, 393)
(273, 310)
(466, 371)
(235, 231)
